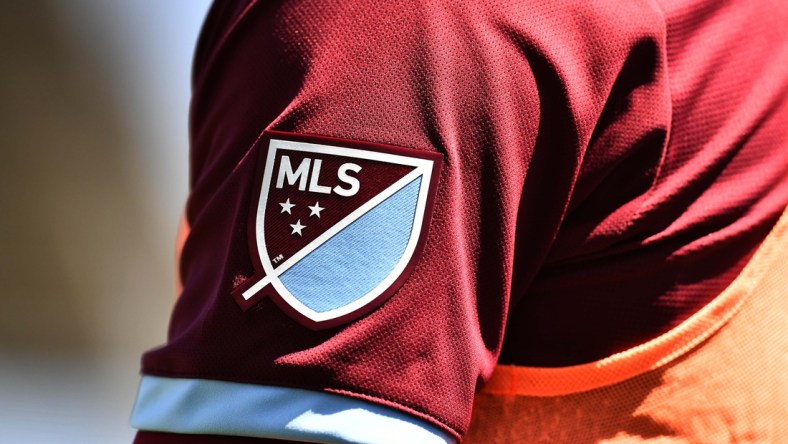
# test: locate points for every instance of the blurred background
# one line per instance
(93, 175)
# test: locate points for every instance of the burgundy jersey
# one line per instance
(388, 199)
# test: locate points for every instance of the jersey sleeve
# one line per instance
(373, 185)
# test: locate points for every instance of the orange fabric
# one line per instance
(183, 233)
(732, 387)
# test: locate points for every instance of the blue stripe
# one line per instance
(354, 261)
(202, 406)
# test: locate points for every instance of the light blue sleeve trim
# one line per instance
(202, 406)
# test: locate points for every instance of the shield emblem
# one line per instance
(337, 226)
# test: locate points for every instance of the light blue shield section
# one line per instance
(354, 261)
(210, 407)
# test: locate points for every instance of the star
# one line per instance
(286, 206)
(315, 209)
(297, 227)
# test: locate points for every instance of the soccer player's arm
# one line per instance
(370, 186)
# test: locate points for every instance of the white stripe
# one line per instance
(203, 406)
(349, 152)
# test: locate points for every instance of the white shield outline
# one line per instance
(422, 167)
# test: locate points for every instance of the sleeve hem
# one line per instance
(205, 406)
